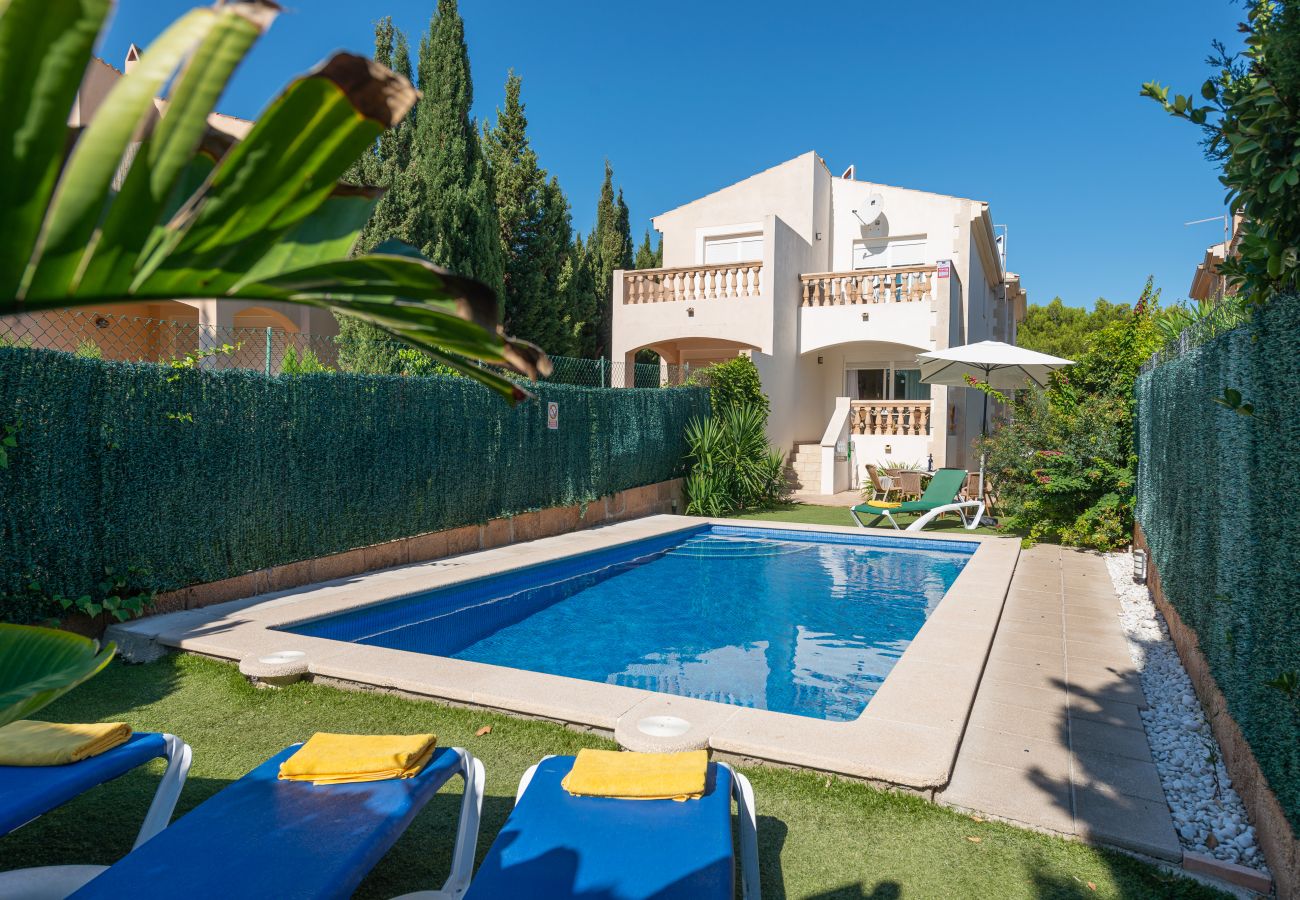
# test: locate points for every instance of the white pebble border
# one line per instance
(1187, 756)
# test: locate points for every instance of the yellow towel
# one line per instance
(883, 504)
(638, 776)
(343, 758)
(28, 743)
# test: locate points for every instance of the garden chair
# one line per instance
(265, 837)
(881, 485)
(940, 496)
(556, 845)
(28, 792)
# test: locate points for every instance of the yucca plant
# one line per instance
(38, 665)
(138, 206)
(732, 466)
(198, 215)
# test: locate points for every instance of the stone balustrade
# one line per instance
(905, 284)
(889, 417)
(733, 281)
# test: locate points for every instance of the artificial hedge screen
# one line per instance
(191, 476)
(1218, 498)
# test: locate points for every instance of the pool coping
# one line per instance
(908, 735)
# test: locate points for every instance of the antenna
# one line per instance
(1227, 225)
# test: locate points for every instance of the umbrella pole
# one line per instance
(984, 430)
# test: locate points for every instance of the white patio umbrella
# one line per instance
(1001, 366)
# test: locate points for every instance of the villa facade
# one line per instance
(832, 285)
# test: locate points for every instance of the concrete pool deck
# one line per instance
(1055, 739)
(907, 737)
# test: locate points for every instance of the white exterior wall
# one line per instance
(806, 219)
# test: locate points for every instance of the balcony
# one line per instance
(905, 284)
(889, 417)
(732, 281)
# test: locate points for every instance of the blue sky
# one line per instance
(1031, 106)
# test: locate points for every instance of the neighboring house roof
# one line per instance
(101, 75)
(1205, 283)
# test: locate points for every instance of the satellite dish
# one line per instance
(872, 211)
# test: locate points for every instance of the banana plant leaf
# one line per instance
(150, 206)
(38, 665)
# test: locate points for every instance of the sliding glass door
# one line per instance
(884, 382)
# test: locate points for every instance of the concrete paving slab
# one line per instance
(1108, 773)
(1016, 751)
(1101, 737)
(1018, 795)
(1143, 826)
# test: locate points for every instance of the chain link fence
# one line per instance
(271, 351)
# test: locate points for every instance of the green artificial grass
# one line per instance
(819, 837)
(811, 514)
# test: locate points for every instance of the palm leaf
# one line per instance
(38, 665)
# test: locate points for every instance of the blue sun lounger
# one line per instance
(262, 837)
(28, 792)
(555, 845)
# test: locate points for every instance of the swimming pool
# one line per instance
(800, 622)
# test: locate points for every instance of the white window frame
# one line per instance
(887, 259)
(743, 229)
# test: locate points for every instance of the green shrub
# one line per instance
(733, 383)
(88, 350)
(732, 468)
(1064, 464)
(306, 363)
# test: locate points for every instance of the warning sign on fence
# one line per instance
(553, 416)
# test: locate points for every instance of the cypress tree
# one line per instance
(648, 255)
(535, 227)
(457, 225)
(387, 165)
(554, 249)
(608, 248)
(577, 292)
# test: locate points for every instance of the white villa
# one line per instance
(831, 285)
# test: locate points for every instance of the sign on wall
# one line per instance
(944, 268)
(553, 415)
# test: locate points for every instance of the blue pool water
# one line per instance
(798, 622)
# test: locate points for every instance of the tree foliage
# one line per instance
(1065, 331)
(609, 247)
(485, 205)
(1064, 465)
(735, 382)
(1251, 124)
(648, 255)
(457, 222)
(536, 229)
